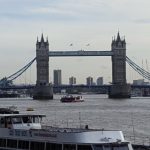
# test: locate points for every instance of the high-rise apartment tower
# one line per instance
(57, 77)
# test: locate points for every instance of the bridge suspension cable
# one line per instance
(138, 69)
(16, 74)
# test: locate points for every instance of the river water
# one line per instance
(132, 116)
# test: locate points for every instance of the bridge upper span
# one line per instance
(79, 53)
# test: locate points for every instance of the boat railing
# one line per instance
(58, 129)
(138, 140)
(75, 130)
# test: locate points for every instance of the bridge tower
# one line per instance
(119, 87)
(43, 89)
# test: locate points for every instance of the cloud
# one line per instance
(70, 10)
(63, 9)
(75, 10)
(143, 21)
(59, 10)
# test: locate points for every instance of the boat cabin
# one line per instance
(19, 121)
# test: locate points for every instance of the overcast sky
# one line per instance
(73, 21)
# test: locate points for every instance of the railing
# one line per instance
(79, 53)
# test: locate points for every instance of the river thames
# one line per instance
(132, 116)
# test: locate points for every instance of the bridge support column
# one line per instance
(120, 91)
(119, 87)
(43, 92)
(43, 89)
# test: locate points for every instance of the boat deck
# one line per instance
(73, 130)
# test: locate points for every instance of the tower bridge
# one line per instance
(119, 87)
(44, 90)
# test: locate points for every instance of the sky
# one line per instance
(80, 22)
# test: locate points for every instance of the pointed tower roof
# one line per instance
(118, 36)
(124, 40)
(42, 38)
(37, 40)
(47, 40)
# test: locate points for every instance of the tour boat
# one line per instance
(25, 132)
(71, 98)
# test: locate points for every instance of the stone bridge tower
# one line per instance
(43, 89)
(119, 87)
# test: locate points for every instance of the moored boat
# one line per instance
(25, 131)
(8, 94)
(10, 110)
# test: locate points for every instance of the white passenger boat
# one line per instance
(25, 132)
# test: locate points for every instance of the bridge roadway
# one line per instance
(79, 53)
(105, 86)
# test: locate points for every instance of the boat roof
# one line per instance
(77, 130)
(72, 135)
(22, 115)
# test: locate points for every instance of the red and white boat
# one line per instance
(71, 98)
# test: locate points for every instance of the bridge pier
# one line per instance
(119, 87)
(120, 91)
(42, 90)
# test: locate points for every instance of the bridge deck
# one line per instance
(79, 53)
(70, 86)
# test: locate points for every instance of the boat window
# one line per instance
(2, 142)
(97, 147)
(107, 147)
(2, 122)
(8, 123)
(116, 147)
(12, 143)
(84, 147)
(27, 119)
(16, 120)
(37, 146)
(35, 119)
(120, 147)
(40, 119)
(69, 147)
(23, 144)
(53, 146)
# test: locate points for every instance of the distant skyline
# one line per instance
(73, 25)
